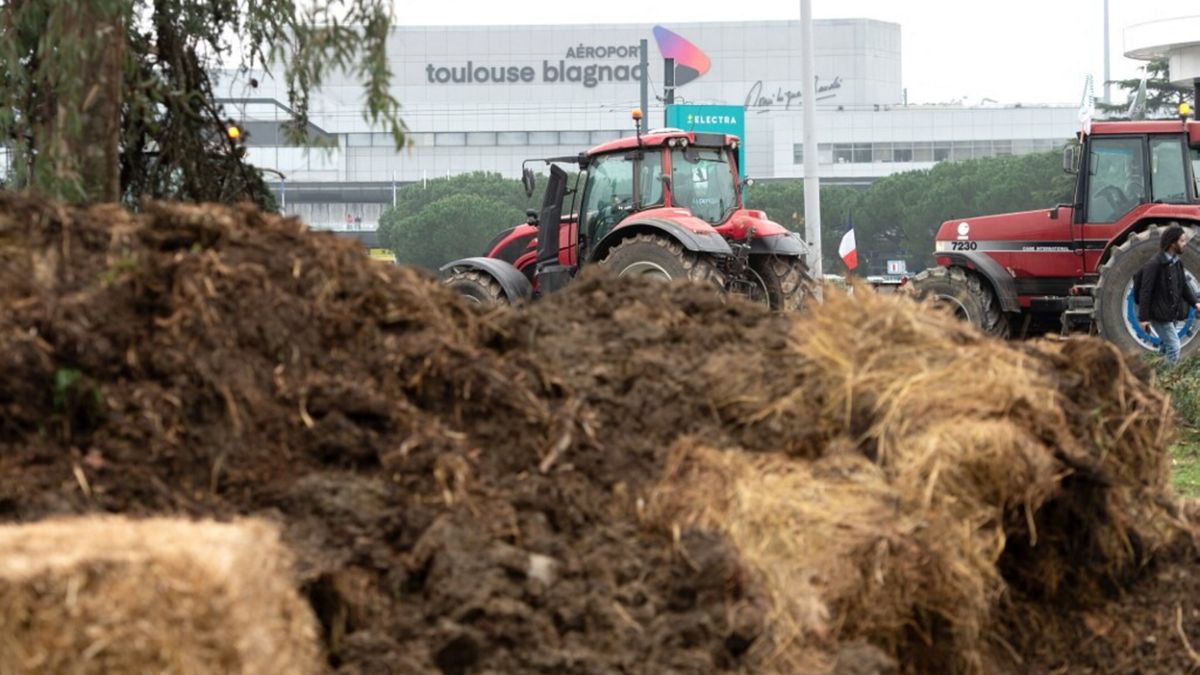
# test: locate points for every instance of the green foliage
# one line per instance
(454, 226)
(1183, 384)
(492, 186)
(78, 399)
(898, 216)
(1185, 464)
(433, 223)
(64, 380)
(126, 263)
(1162, 97)
(170, 130)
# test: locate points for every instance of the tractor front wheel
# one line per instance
(1116, 308)
(965, 294)
(649, 256)
(477, 287)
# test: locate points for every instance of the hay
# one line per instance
(111, 595)
(922, 472)
(840, 558)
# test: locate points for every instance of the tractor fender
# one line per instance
(992, 272)
(788, 244)
(512, 281)
(1140, 226)
(697, 242)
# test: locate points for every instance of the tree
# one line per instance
(108, 99)
(898, 216)
(783, 202)
(415, 196)
(453, 226)
(1162, 97)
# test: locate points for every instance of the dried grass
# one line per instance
(926, 472)
(112, 595)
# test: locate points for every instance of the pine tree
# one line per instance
(1162, 97)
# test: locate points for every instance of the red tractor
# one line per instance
(1073, 265)
(666, 205)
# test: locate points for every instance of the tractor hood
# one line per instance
(737, 226)
(1024, 225)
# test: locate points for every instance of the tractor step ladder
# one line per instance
(1081, 310)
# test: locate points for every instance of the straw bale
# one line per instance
(913, 471)
(832, 545)
(113, 595)
(992, 431)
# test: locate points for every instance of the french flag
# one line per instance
(848, 249)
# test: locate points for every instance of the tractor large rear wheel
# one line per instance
(477, 287)
(966, 295)
(782, 282)
(1115, 309)
(649, 256)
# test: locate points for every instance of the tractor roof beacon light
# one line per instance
(1185, 111)
(237, 144)
(636, 114)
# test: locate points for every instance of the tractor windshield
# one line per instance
(1167, 182)
(702, 181)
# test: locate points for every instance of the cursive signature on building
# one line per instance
(764, 100)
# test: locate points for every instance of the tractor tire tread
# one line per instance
(489, 288)
(698, 268)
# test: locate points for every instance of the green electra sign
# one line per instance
(722, 119)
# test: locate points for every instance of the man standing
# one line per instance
(1164, 296)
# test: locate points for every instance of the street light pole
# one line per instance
(668, 89)
(644, 51)
(1107, 85)
(812, 184)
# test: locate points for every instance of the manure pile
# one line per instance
(617, 479)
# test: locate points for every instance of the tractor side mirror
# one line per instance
(528, 181)
(1070, 153)
(747, 182)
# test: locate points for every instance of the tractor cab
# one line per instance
(1129, 164)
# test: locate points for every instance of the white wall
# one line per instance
(551, 119)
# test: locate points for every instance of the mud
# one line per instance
(203, 361)
(463, 489)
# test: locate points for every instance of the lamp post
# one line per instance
(1107, 84)
(812, 184)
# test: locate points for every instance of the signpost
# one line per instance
(722, 119)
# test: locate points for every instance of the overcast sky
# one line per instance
(1034, 51)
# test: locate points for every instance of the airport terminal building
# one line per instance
(484, 98)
